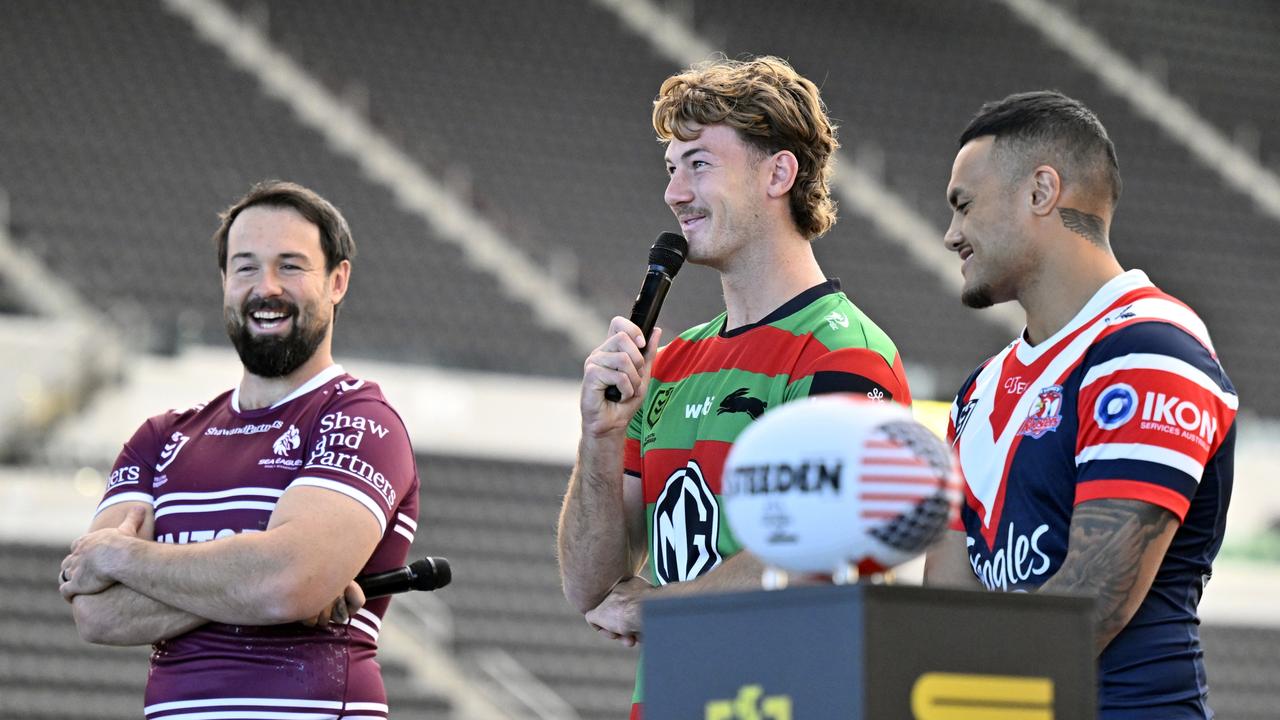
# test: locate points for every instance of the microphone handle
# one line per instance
(645, 312)
(386, 583)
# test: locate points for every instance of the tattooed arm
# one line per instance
(1115, 549)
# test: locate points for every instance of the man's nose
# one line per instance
(953, 238)
(268, 284)
(678, 191)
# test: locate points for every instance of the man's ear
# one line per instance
(783, 168)
(338, 281)
(1046, 190)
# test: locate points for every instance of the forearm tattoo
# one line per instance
(1082, 223)
(1111, 544)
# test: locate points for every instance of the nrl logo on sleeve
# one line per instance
(660, 399)
(1045, 415)
(177, 441)
(962, 418)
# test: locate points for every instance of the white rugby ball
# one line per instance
(824, 482)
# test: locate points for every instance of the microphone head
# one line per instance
(668, 252)
(430, 573)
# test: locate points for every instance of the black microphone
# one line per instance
(665, 258)
(430, 573)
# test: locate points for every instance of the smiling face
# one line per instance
(717, 191)
(278, 297)
(986, 226)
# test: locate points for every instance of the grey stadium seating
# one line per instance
(123, 133)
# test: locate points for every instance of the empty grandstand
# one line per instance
(497, 165)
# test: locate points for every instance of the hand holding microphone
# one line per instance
(665, 259)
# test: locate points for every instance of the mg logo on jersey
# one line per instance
(686, 527)
(171, 449)
(1172, 410)
(287, 442)
(1045, 415)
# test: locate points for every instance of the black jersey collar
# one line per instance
(795, 304)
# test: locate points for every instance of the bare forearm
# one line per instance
(1114, 552)
(243, 580)
(946, 563)
(120, 615)
(594, 548)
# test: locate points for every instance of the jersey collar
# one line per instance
(794, 305)
(1107, 294)
(320, 378)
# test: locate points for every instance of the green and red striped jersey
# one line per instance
(708, 385)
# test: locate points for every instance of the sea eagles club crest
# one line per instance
(1045, 415)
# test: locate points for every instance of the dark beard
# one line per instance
(977, 297)
(272, 356)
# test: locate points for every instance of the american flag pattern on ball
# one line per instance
(908, 486)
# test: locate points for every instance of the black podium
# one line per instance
(869, 652)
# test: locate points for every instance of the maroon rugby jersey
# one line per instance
(215, 470)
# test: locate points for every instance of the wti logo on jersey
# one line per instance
(127, 475)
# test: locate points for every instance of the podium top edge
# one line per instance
(865, 592)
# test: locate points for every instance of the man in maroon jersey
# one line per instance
(228, 529)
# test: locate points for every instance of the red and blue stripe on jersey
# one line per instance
(1128, 401)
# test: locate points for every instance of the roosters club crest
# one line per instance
(1045, 415)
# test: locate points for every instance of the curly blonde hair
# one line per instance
(773, 108)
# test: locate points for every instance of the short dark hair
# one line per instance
(335, 235)
(1047, 127)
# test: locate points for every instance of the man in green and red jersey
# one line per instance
(749, 150)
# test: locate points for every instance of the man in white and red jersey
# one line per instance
(1097, 447)
(228, 529)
